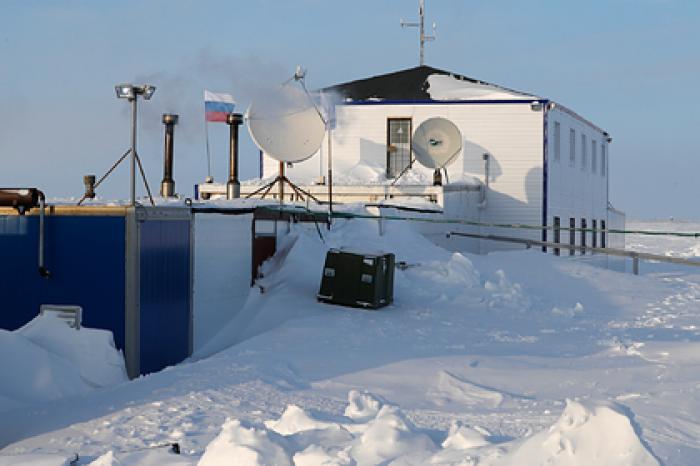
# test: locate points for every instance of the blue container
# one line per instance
(129, 268)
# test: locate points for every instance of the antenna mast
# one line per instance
(421, 26)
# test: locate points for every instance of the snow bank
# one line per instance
(50, 360)
(390, 436)
(297, 438)
(583, 436)
(362, 406)
(463, 437)
(600, 435)
(244, 445)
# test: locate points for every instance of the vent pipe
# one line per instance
(167, 186)
(233, 186)
(23, 200)
(485, 186)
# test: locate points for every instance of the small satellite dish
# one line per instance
(436, 142)
(286, 125)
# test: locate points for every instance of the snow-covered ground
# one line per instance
(666, 245)
(508, 359)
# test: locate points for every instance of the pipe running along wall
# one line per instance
(23, 200)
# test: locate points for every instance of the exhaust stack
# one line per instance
(167, 186)
(233, 186)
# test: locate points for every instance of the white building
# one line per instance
(546, 165)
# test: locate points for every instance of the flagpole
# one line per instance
(206, 131)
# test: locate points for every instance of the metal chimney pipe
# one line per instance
(233, 186)
(167, 186)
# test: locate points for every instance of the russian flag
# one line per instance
(218, 105)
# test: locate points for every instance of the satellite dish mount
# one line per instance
(280, 180)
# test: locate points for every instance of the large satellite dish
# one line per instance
(436, 142)
(286, 124)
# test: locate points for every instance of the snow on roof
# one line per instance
(450, 87)
(423, 83)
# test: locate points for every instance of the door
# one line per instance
(398, 146)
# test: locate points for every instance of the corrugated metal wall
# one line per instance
(85, 255)
(164, 293)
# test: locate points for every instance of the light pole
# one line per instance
(131, 93)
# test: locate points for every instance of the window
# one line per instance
(594, 156)
(557, 141)
(557, 234)
(398, 146)
(572, 234)
(583, 236)
(603, 234)
(594, 233)
(603, 159)
(572, 147)
(584, 152)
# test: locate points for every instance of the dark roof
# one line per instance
(408, 84)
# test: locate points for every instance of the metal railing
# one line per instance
(634, 255)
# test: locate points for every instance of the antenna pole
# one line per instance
(423, 38)
(133, 152)
(421, 12)
(206, 132)
(330, 176)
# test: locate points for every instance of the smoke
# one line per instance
(181, 90)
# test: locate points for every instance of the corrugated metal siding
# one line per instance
(164, 293)
(85, 255)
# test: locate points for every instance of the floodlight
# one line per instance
(125, 91)
(129, 91)
(147, 90)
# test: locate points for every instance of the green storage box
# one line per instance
(358, 279)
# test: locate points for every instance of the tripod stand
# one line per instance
(281, 180)
(90, 187)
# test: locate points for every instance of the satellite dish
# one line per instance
(436, 142)
(286, 125)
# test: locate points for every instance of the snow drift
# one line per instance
(46, 360)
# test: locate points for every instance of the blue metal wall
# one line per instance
(85, 255)
(165, 294)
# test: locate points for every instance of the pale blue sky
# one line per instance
(631, 66)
